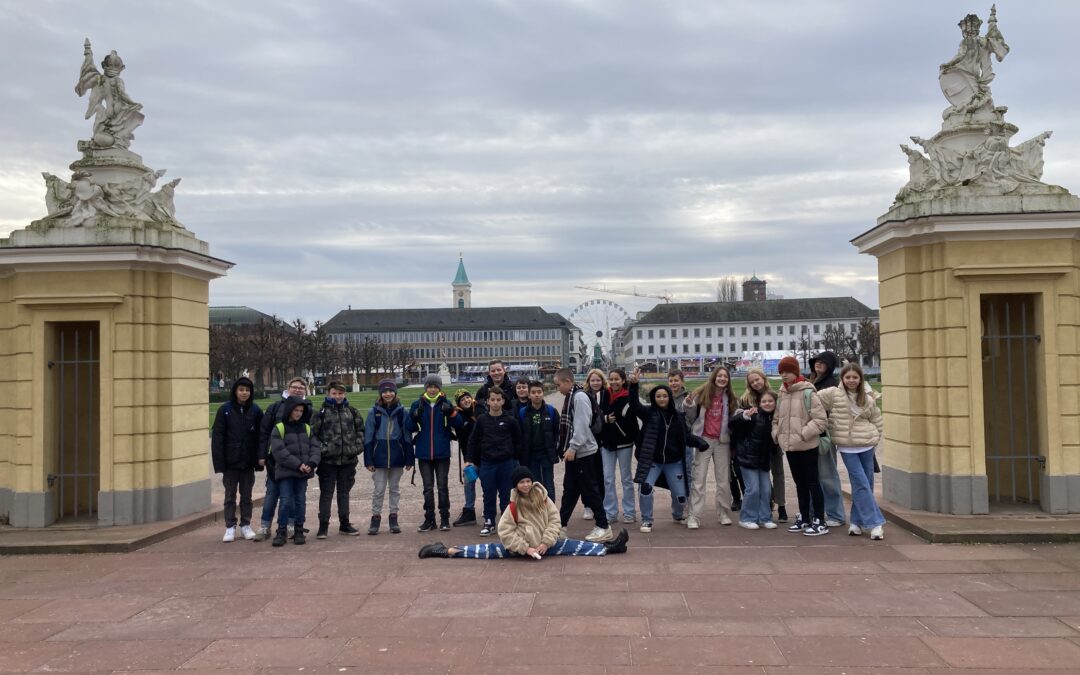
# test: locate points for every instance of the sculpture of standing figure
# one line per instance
(115, 115)
(965, 79)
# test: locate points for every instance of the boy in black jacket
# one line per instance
(234, 447)
(495, 443)
(539, 423)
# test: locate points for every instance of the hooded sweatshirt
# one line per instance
(234, 443)
(831, 360)
(295, 447)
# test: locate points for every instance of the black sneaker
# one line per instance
(433, 550)
(488, 528)
(467, 517)
(373, 528)
(444, 523)
(347, 528)
(781, 514)
(736, 505)
(323, 527)
(280, 538)
(299, 538)
(618, 544)
(427, 526)
(394, 527)
(816, 529)
(799, 525)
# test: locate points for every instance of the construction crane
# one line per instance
(666, 297)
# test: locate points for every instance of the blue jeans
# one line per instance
(270, 503)
(757, 496)
(864, 509)
(495, 479)
(293, 505)
(622, 457)
(470, 492)
(543, 472)
(678, 510)
(560, 547)
(674, 474)
(829, 478)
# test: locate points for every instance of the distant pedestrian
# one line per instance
(388, 453)
(234, 448)
(340, 429)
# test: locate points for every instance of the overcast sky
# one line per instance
(353, 150)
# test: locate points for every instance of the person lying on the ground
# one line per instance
(528, 527)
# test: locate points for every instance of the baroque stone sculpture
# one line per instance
(970, 158)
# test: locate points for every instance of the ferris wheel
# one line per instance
(598, 321)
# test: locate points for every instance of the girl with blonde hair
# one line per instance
(597, 388)
(757, 384)
(708, 410)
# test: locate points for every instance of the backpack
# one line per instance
(596, 422)
(825, 444)
(280, 426)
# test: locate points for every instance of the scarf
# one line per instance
(800, 378)
(616, 395)
(566, 420)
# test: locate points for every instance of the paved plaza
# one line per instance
(714, 600)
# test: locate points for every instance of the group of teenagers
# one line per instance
(509, 440)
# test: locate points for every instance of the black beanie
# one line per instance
(519, 473)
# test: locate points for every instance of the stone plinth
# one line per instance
(935, 271)
(146, 310)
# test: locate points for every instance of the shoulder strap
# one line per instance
(307, 428)
(280, 426)
(513, 511)
(807, 395)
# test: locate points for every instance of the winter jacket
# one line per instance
(274, 414)
(603, 400)
(468, 421)
(494, 439)
(695, 416)
(755, 445)
(234, 444)
(548, 430)
(482, 393)
(847, 429)
(831, 360)
(430, 425)
(793, 427)
(530, 529)
(387, 442)
(340, 429)
(295, 447)
(623, 432)
(580, 439)
(663, 438)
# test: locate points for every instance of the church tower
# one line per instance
(462, 287)
(753, 289)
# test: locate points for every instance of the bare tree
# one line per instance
(325, 354)
(727, 290)
(805, 345)
(351, 356)
(869, 339)
(226, 351)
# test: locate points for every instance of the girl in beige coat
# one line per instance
(798, 423)
(530, 527)
(855, 424)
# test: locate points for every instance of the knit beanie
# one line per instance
(789, 364)
(519, 473)
(460, 394)
(433, 381)
(387, 385)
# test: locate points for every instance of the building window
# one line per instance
(854, 329)
(661, 333)
(742, 331)
(638, 334)
(697, 348)
(757, 346)
(686, 332)
(731, 331)
(744, 347)
(791, 329)
(685, 348)
(651, 349)
(650, 333)
(768, 346)
(768, 331)
(708, 332)
(639, 350)
(756, 331)
(731, 347)
(697, 332)
(662, 348)
(817, 329)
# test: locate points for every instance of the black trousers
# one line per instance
(244, 480)
(339, 479)
(804, 471)
(736, 481)
(584, 478)
(432, 471)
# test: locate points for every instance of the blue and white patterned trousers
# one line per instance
(560, 547)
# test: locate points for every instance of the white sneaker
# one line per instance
(769, 525)
(854, 530)
(600, 534)
(587, 515)
(247, 532)
(290, 530)
(878, 532)
(829, 522)
(646, 527)
(692, 523)
(230, 534)
(748, 526)
(725, 519)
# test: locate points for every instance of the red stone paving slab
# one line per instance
(685, 670)
(12, 608)
(1071, 621)
(1000, 652)
(714, 626)
(609, 604)
(265, 652)
(591, 625)
(999, 626)
(746, 554)
(823, 582)
(173, 572)
(124, 655)
(722, 651)
(354, 585)
(771, 603)
(205, 608)
(939, 567)
(385, 605)
(351, 627)
(257, 626)
(944, 582)
(29, 632)
(843, 567)
(322, 606)
(16, 657)
(872, 552)
(908, 603)
(1032, 566)
(144, 628)
(538, 669)
(572, 583)
(400, 653)
(366, 670)
(876, 651)
(1043, 582)
(471, 604)
(848, 670)
(440, 584)
(962, 552)
(1027, 603)
(201, 588)
(540, 651)
(522, 627)
(700, 582)
(730, 568)
(827, 626)
(50, 590)
(105, 608)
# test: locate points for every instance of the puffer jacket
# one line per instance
(754, 446)
(340, 429)
(386, 439)
(530, 529)
(234, 443)
(847, 429)
(623, 432)
(793, 428)
(480, 400)
(295, 447)
(431, 427)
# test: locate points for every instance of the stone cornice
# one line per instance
(895, 234)
(79, 258)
